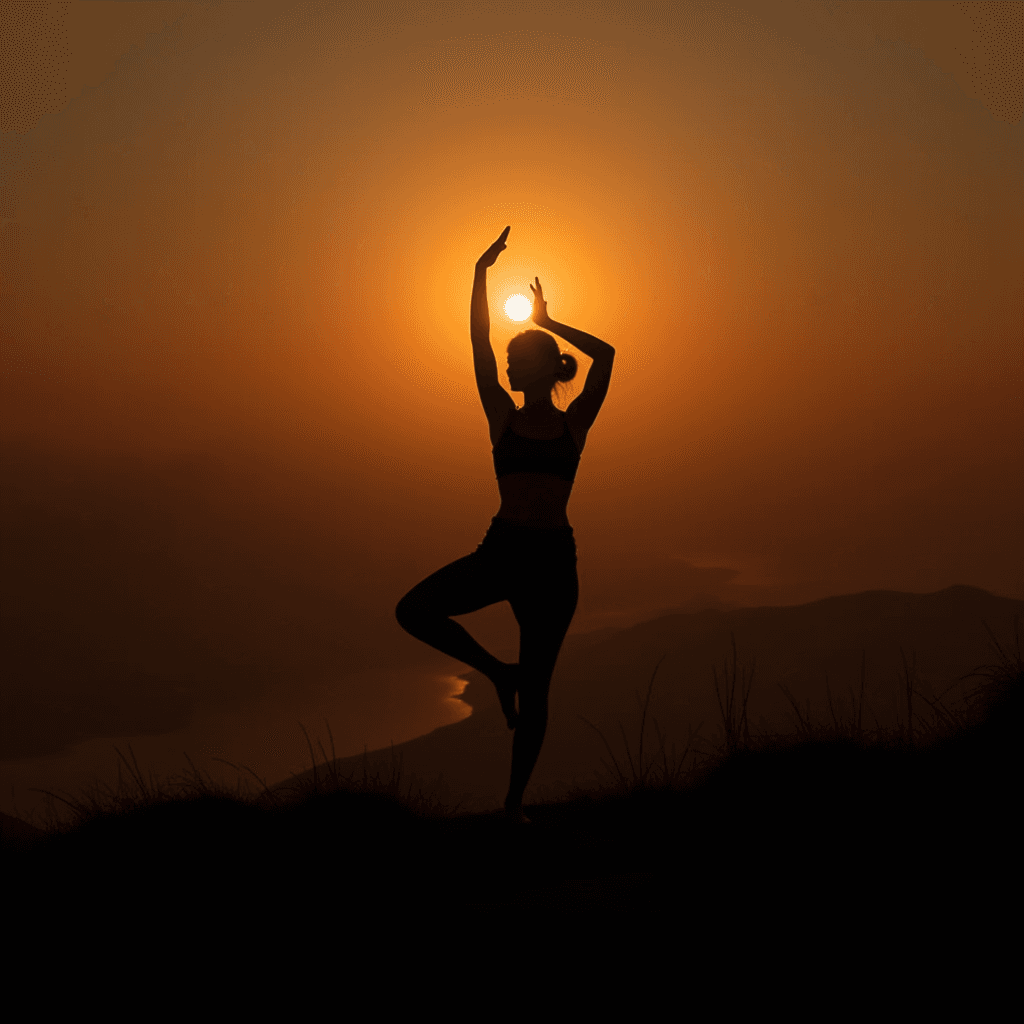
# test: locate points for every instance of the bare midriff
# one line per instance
(534, 499)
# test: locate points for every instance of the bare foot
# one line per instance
(506, 684)
(515, 816)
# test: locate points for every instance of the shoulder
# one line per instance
(497, 402)
(499, 417)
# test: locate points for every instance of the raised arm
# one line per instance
(584, 408)
(496, 400)
(480, 331)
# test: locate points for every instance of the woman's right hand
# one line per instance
(488, 258)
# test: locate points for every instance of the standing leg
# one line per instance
(544, 615)
(460, 587)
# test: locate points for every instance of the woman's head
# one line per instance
(535, 358)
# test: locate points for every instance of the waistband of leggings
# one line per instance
(511, 527)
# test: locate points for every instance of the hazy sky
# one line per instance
(238, 244)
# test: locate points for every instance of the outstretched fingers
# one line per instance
(493, 250)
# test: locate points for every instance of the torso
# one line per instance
(535, 499)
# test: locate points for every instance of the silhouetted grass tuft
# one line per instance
(657, 773)
(135, 791)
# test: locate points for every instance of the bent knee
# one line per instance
(409, 612)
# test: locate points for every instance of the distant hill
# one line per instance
(799, 647)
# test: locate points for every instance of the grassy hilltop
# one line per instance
(919, 813)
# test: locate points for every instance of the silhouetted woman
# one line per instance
(528, 555)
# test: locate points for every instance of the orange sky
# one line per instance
(246, 232)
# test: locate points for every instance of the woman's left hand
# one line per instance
(540, 307)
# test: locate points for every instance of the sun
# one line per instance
(518, 307)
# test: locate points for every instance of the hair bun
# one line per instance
(567, 367)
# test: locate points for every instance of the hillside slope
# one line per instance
(943, 636)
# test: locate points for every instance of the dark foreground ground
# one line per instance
(836, 832)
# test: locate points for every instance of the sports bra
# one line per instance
(514, 453)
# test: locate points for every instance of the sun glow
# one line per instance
(518, 307)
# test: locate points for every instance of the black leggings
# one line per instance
(535, 571)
